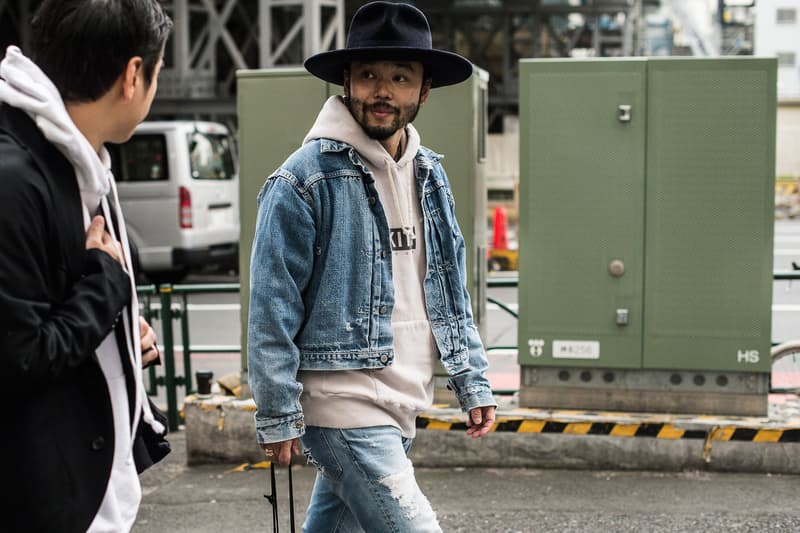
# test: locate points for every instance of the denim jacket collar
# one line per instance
(425, 159)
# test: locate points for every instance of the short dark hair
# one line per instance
(83, 46)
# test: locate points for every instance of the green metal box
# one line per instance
(276, 108)
(646, 222)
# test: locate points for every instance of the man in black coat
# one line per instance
(78, 426)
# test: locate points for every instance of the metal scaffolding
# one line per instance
(212, 39)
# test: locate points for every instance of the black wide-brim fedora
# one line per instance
(387, 31)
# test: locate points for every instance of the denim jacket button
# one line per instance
(382, 310)
(384, 358)
(371, 200)
(299, 424)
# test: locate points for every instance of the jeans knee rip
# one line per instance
(311, 461)
(403, 488)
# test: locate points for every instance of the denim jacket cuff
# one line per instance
(279, 429)
(479, 397)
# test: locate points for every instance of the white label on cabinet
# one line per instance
(576, 349)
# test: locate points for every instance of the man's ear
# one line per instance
(346, 83)
(425, 91)
(130, 77)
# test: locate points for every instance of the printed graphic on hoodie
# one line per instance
(403, 240)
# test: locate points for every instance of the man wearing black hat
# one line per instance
(358, 283)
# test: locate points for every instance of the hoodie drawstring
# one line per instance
(406, 222)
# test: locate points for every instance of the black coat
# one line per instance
(58, 301)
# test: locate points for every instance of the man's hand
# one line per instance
(98, 237)
(282, 452)
(147, 337)
(480, 421)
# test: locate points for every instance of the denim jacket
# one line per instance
(321, 293)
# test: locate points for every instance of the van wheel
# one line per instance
(162, 277)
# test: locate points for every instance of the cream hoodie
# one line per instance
(396, 394)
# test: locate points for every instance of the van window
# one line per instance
(142, 158)
(211, 156)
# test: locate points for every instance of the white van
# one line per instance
(179, 190)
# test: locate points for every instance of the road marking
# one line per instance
(208, 349)
(786, 228)
(785, 308)
(201, 307)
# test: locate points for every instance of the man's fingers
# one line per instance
(95, 232)
(98, 238)
(148, 337)
(97, 225)
(282, 452)
(285, 454)
(477, 417)
(480, 421)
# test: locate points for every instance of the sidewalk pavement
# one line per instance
(215, 478)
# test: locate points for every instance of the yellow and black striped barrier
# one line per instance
(626, 428)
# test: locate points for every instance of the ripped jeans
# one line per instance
(365, 482)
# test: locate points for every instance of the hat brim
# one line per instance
(445, 68)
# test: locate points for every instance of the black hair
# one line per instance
(83, 46)
(426, 73)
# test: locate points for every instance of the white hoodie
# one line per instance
(396, 394)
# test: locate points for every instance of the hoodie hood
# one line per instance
(336, 123)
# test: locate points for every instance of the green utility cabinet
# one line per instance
(646, 233)
(276, 108)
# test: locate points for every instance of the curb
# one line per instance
(220, 429)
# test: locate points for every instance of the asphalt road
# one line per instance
(212, 498)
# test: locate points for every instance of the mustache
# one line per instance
(381, 107)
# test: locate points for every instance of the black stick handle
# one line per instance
(291, 497)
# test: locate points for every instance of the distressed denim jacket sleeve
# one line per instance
(280, 268)
(470, 385)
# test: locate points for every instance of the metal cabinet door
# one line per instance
(276, 108)
(710, 213)
(582, 140)
(453, 123)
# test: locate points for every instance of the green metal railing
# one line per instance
(167, 313)
(170, 311)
